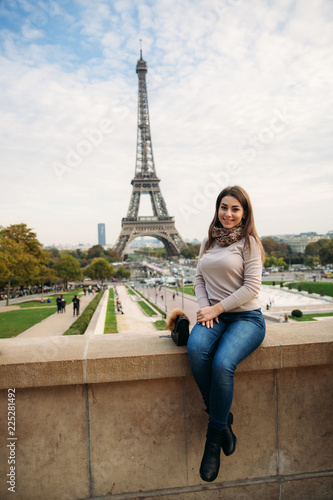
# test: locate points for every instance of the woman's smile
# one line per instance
(231, 212)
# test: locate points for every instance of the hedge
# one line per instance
(80, 325)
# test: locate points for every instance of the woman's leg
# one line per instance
(241, 337)
(201, 346)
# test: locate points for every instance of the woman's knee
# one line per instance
(223, 367)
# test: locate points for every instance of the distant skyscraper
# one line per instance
(101, 234)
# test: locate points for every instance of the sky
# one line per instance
(239, 93)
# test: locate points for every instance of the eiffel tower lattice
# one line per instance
(160, 225)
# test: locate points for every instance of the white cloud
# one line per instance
(228, 84)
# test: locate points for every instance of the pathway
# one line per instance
(57, 323)
(134, 319)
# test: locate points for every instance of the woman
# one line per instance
(230, 325)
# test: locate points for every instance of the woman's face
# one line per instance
(231, 212)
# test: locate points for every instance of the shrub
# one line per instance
(273, 283)
(299, 288)
(310, 290)
(81, 324)
(296, 313)
(322, 293)
(290, 286)
(281, 284)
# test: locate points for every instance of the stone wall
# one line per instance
(120, 417)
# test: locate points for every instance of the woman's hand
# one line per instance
(207, 314)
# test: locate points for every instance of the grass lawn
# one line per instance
(311, 317)
(316, 287)
(13, 323)
(146, 308)
(277, 283)
(154, 305)
(160, 324)
(111, 318)
(187, 289)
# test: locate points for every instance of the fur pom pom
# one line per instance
(172, 318)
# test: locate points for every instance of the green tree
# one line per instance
(99, 269)
(282, 263)
(113, 256)
(270, 244)
(68, 268)
(326, 253)
(22, 234)
(122, 273)
(21, 256)
(191, 252)
(45, 275)
(312, 249)
(96, 251)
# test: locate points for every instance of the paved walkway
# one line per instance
(57, 323)
(134, 319)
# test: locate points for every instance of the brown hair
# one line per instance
(248, 229)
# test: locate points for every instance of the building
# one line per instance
(299, 242)
(101, 235)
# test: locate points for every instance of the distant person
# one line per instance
(59, 305)
(63, 304)
(230, 325)
(84, 291)
(76, 305)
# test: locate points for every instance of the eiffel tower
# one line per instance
(160, 225)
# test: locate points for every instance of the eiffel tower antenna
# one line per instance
(160, 225)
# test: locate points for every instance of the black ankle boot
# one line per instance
(210, 463)
(229, 439)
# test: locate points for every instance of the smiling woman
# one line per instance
(230, 325)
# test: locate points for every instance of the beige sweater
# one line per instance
(230, 275)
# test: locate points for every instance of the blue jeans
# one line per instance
(214, 354)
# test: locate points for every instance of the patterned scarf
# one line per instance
(225, 237)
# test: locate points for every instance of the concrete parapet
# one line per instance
(120, 417)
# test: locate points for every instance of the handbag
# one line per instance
(179, 325)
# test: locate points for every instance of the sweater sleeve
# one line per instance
(200, 286)
(252, 278)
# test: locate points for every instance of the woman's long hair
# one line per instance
(248, 228)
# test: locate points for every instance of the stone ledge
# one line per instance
(52, 361)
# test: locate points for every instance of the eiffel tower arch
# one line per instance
(160, 225)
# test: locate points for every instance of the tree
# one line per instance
(312, 249)
(326, 253)
(95, 252)
(21, 256)
(122, 273)
(270, 244)
(68, 268)
(22, 234)
(191, 252)
(46, 275)
(99, 269)
(282, 263)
